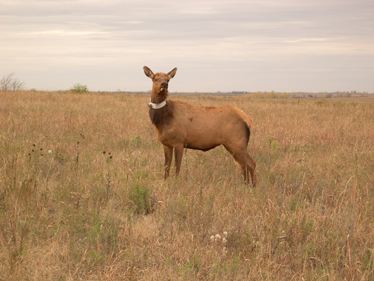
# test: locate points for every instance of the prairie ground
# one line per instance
(82, 195)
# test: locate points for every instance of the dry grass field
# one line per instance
(82, 195)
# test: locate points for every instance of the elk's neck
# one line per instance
(158, 97)
(163, 116)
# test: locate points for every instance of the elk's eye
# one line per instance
(155, 80)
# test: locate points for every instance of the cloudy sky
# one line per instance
(218, 45)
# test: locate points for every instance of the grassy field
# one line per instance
(82, 195)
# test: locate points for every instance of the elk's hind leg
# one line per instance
(246, 162)
(251, 165)
(178, 158)
(168, 158)
(241, 159)
(248, 166)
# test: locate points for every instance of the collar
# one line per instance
(157, 105)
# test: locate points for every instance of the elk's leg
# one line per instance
(178, 158)
(251, 164)
(248, 166)
(246, 162)
(168, 158)
(240, 158)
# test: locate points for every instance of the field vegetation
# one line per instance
(82, 195)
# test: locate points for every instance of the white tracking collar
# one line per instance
(157, 105)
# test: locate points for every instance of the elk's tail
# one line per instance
(248, 122)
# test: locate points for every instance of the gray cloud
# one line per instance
(217, 45)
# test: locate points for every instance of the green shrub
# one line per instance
(79, 88)
(141, 199)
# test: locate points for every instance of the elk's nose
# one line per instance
(164, 85)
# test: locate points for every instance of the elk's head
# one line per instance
(160, 84)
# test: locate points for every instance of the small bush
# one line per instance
(141, 199)
(79, 88)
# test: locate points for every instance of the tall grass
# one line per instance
(82, 195)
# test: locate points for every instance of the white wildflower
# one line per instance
(224, 242)
(50, 151)
(212, 238)
(218, 237)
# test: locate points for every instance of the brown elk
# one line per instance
(179, 125)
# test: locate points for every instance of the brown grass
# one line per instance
(96, 207)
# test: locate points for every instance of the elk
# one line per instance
(179, 125)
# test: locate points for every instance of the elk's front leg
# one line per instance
(168, 158)
(178, 158)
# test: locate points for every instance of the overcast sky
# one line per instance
(233, 45)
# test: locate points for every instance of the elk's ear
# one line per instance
(171, 74)
(148, 72)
